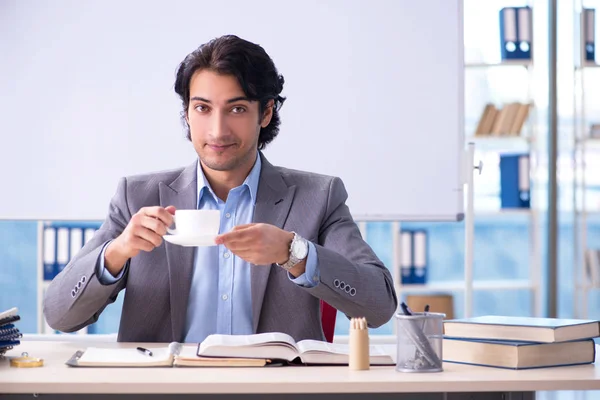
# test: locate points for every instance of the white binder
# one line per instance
(49, 253)
(62, 248)
(405, 256)
(420, 256)
(524, 178)
(525, 32)
(76, 242)
(88, 234)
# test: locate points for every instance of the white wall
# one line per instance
(374, 94)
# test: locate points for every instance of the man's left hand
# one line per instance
(260, 244)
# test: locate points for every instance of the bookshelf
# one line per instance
(54, 252)
(584, 147)
(482, 66)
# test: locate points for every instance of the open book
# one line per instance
(257, 350)
(280, 346)
(175, 354)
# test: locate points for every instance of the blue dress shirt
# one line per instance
(220, 298)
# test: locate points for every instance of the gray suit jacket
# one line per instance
(158, 282)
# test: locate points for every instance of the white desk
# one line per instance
(380, 382)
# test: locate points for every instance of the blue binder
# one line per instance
(516, 33)
(515, 184)
(589, 34)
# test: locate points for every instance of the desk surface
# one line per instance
(56, 377)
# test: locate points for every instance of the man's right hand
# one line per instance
(144, 232)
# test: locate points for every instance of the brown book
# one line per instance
(489, 120)
(499, 119)
(509, 119)
(520, 118)
(484, 127)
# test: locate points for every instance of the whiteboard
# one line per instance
(374, 95)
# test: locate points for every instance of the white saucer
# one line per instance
(191, 241)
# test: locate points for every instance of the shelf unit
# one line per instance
(582, 144)
(87, 229)
(497, 144)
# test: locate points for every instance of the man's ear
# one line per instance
(267, 114)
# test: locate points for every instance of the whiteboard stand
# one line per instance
(469, 226)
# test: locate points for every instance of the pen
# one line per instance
(405, 309)
(145, 351)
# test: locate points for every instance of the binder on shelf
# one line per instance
(75, 242)
(515, 33)
(420, 245)
(62, 248)
(524, 32)
(514, 181)
(406, 256)
(592, 266)
(589, 34)
(88, 234)
(49, 253)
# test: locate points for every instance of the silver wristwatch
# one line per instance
(298, 252)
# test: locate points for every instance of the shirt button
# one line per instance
(227, 215)
(226, 255)
(224, 297)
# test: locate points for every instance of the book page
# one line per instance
(272, 345)
(120, 357)
(318, 352)
(307, 345)
(259, 339)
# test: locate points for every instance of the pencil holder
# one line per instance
(419, 342)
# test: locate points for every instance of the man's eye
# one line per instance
(201, 108)
(238, 110)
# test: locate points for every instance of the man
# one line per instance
(287, 237)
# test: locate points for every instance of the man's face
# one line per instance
(224, 124)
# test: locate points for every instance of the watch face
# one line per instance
(300, 249)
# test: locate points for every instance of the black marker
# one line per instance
(145, 351)
(405, 309)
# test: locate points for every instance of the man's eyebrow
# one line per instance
(233, 100)
(239, 98)
(198, 98)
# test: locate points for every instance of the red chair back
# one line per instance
(328, 314)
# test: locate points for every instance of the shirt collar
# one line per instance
(251, 181)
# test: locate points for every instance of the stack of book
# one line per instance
(520, 342)
(9, 334)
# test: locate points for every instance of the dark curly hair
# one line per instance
(249, 63)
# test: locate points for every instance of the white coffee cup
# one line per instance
(196, 222)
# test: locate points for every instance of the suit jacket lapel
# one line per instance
(181, 193)
(273, 202)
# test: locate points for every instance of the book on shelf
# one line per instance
(528, 329)
(518, 354)
(261, 349)
(507, 121)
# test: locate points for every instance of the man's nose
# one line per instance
(218, 125)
